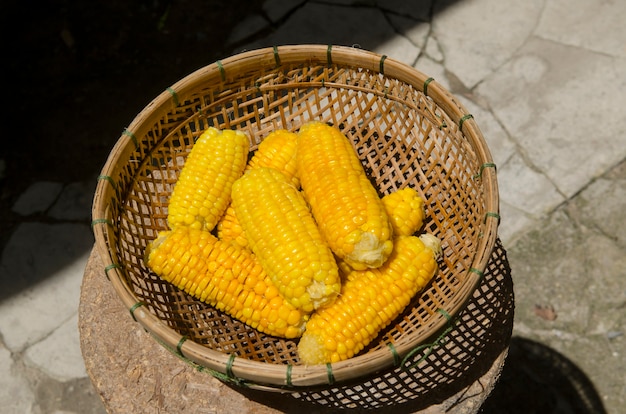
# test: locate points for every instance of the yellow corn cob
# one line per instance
(202, 191)
(345, 204)
(226, 277)
(283, 234)
(277, 150)
(229, 228)
(406, 212)
(370, 299)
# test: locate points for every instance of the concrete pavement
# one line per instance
(545, 81)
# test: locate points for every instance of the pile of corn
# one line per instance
(295, 242)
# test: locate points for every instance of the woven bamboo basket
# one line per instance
(408, 131)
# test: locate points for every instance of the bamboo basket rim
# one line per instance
(280, 377)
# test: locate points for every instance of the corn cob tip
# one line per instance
(369, 251)
(311, 349)
(321, 294)
(406, 211)
(432, 243)
(160, 238)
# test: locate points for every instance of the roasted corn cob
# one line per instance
(345, 204)
(405, 209)
(370, 299)
(283, 234)
(224, 276)
(277, 150)
(202, 191)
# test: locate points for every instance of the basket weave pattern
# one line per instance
(407, 130)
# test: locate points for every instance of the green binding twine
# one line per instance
(132, 137)
(134, 308)
(396, 357)
(329, 373)
(174, 96)
(288, 375)
(463, 119)
(329, 55)
(221, 69)
(426, 83)
(179, 346)
(276, 56)
(108, 179)
(441, 339)
(110, 267)
(482, 168)
(381, 65)
(95, 222)
(229, 366)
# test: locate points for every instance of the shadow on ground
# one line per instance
(538, 379)
(535, 380)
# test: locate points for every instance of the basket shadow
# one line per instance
(555, 383)
(456, 370)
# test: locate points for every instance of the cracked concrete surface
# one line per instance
(544, 80)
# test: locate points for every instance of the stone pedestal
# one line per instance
(133, 373)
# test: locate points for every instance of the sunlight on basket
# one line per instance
(408, 131)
